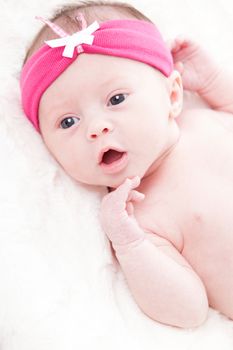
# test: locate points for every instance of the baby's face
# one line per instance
(107, 118)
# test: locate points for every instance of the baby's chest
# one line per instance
(193, 211)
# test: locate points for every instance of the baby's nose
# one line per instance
(99, 128)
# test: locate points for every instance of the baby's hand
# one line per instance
(117, 213)
(193, 63)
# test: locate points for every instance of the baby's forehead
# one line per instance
(103, 71)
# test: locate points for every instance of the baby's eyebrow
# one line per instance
(59, 107)
(121, 80)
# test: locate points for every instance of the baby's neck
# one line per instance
(165, 157)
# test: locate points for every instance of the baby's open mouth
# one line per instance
(112, 161)
(111, 156)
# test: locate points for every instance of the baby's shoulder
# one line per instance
(194, 115)
(205, 119)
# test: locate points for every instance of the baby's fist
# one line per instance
(116, 215)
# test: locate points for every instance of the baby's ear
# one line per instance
(175, 93)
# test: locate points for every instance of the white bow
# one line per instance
(71, 41)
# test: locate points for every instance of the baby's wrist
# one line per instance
(128, 237)
(122, 249)
(210, 82)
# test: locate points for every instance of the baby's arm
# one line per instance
(202, 75)
(161, 281)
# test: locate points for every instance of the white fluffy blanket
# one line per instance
(59, 288)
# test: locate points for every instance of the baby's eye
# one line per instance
(117, 99)
(69, 121)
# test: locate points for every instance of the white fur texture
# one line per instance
(59, 288)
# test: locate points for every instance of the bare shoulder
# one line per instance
(204, 117)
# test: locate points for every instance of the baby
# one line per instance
(108, 104)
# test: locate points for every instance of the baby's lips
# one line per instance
(105, 150)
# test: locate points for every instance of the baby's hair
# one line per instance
(67, 18)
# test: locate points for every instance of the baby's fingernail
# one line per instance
(127, 181)
(136, 180)
(141, 196)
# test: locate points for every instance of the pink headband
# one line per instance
(134, 39)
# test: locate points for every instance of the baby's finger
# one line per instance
(180, 43)
(173, 46)
(179, 66)
(170, 43)
(120, 195)
(129, 184)
(181, 40)
(129, 208)
(135, 196)
(135, 182)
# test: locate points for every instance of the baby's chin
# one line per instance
(110, 182)
(105, 184)
(115, 184)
